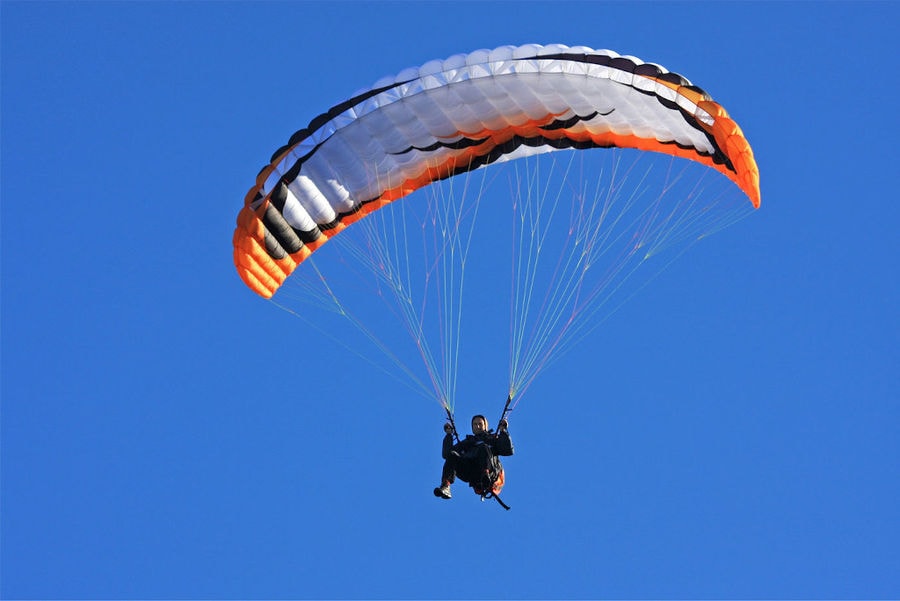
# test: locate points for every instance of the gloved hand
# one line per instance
(503, 425)
(448, 428)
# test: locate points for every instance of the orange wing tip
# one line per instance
(255, 270)
(262, 274)
(731, 140)
(264, 289)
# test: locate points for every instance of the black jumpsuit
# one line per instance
(466, 459)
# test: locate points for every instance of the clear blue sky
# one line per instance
(732, 432)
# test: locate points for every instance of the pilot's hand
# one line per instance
(503, 425)
(448, 428)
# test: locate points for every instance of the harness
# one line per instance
(490, 491)
(487, 486)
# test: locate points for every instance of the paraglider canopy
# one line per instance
(452, 116)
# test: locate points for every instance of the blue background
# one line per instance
(732, 432)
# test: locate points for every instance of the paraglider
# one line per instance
(476, 459)
(454, 117)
